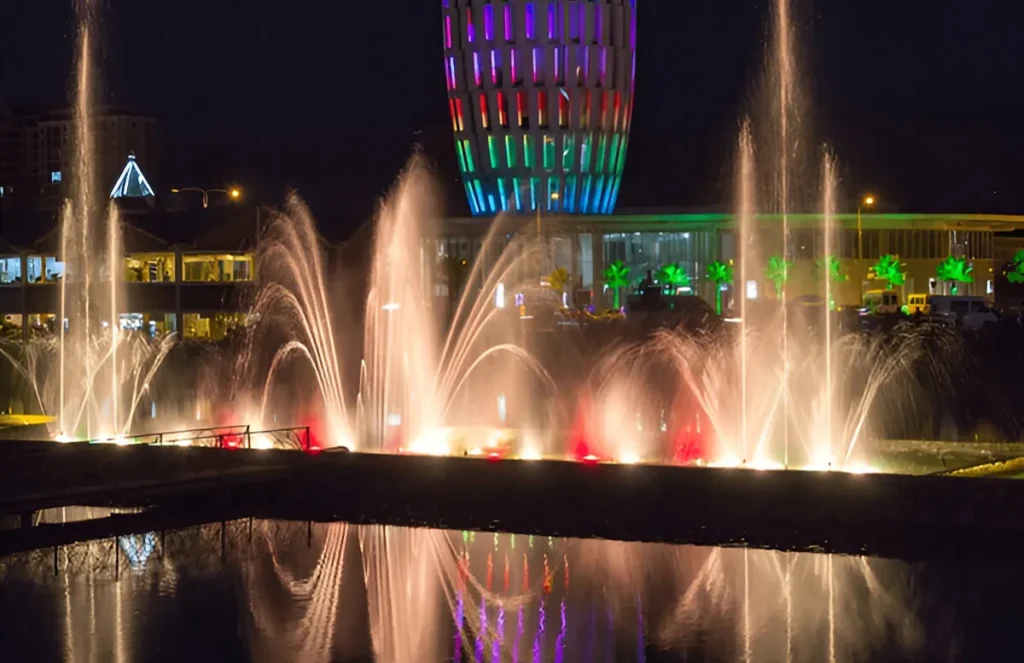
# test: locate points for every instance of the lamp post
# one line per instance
(233, 193)
(866, 201)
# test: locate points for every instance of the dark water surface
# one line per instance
(275, 591)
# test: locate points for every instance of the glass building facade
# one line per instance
(541, 98)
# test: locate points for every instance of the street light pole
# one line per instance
(867, 201)
(233, 193)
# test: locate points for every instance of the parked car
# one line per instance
(968, 312)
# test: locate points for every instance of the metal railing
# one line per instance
(239, 436)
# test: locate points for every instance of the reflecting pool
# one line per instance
(276, 591)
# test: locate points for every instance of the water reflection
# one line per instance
(271, 591)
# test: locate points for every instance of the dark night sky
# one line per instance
(921, 101)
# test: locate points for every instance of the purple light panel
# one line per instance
(489, 22)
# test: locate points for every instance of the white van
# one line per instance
(969, 312)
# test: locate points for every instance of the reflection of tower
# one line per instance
(541, 97)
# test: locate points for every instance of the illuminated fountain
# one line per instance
(90, 375)
(416, 381)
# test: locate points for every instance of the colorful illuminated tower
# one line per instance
(541, 97)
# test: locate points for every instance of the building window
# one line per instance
(10, 271)
(224, 268)
(211, 327)
(44, 269)
(55, 176)
(149, 268)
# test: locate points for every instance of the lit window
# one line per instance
(42, 269)
(10, 270)
(149, 267)
(212, 327)
(55, 176)
(538, 63)
(210, 268)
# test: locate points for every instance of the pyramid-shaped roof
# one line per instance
(132, 183)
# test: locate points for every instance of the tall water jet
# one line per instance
(745, 222)
(828, 186)
(89, 375)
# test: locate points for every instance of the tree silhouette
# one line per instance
(719, 273)
(616, 276)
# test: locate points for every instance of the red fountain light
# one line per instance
(689, 439)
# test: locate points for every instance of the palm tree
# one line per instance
(719, 273)
(777, 272)
(833, 271)
(890, 269)
(616, 276)
(673, 275)
(955, 270)
(1017, 275)
(559, 280)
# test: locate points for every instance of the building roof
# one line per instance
(132, 183)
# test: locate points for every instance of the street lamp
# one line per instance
(866, 201)
(233, 193)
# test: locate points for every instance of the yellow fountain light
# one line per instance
(62, 438)
(530, 453)
(629, 458)
(262, 442)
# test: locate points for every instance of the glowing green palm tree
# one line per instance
(955, 270)
(777, 272)
(719, 273)
(833, 271)
(1016, 275)
(673, 275)
(616, 276)
(890, 269)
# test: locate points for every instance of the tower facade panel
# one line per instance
(541, 97)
